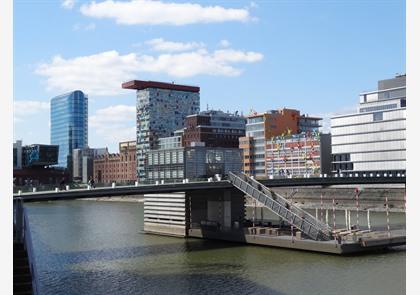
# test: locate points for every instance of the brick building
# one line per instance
(116, 167)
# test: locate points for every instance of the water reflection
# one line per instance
(85, 247)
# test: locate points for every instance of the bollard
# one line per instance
(162, 181)
(345, 217)
(209, 179)
(56, 189)
(187, 180)
(368, 218)
(183, 181)
(349, 219)
(89, 187)
(19, 192)
(326, 216)
(113, 185)
(356, 175)
(387, 216)
(270, 176)
(371, 175)
(316, 213)
(67, 187)
(136, 183)
(34, 189)
(156, 182)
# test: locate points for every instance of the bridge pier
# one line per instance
(176, 213)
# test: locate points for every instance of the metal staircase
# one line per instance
(292, 214)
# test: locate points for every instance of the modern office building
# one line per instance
(83, 163)
(39, 155)
(178, 163)
(161, 110)
(69, 125)
(262, 127)
(214, 129)
(116, 167)
(373, 139)
(32, 164)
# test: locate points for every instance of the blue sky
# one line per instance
(315, 56)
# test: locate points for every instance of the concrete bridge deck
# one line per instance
(200, 185)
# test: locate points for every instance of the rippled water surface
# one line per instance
(87, 247)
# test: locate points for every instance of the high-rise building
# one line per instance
(161, 110)
(373, 139)
(262, 127)
(69, 125)
(214, 129)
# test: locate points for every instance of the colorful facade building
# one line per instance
(298, 155)
(261, 128)
(116, 167)
(161, 110)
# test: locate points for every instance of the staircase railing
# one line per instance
(292, 214)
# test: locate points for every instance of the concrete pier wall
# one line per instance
(175, 213)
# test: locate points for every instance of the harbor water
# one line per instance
(93, 247)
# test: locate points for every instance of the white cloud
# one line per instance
(97, 74)
(160, 44)
(68, 4)
(231, 55)
(102, 73)
(115, 123)
(148, 12)
(88, 27)
(24, 108)
(224, 43)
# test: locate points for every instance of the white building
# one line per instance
(373, 139)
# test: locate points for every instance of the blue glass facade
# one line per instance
(69, 124)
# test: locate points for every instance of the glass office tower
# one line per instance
(69, 125)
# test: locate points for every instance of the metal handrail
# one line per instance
(279, 204)
(282, 200)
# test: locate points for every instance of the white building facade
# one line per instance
(374, 139)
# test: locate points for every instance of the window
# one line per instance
(378, 116)
(403, 103)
